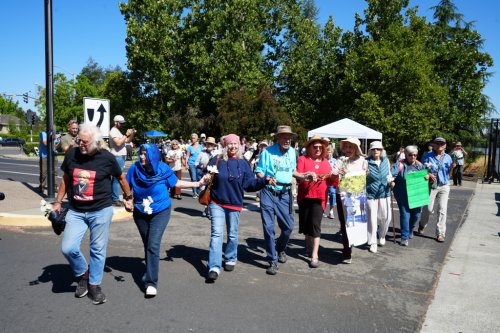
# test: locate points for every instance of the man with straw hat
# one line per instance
(278, 162)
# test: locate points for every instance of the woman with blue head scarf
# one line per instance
(150, 179)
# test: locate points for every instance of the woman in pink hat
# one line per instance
(233, 176)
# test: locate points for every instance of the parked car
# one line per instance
(12, 142)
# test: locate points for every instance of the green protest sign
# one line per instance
(417, 188)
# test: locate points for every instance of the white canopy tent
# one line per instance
(345, 128)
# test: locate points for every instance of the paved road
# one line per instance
(386, 292)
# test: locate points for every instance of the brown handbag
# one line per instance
(204, 196)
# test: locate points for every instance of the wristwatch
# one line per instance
(128, 197)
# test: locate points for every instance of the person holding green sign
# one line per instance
(408, 217)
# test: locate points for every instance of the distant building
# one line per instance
(7, 120)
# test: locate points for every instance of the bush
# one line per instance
(29, 148)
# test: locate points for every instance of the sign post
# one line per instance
(97, 112)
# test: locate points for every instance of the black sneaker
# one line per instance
(282, 257)
(229, 267)
(96, 294)
(82, 287)
(272, 269)
(212, 276)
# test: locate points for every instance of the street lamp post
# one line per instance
(49, 101)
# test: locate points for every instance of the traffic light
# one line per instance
(33, 118)
(25, 97)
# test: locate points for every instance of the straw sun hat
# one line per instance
(354, 141)
(316, 138)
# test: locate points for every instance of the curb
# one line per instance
(20, 220)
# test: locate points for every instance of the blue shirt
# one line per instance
(440, 167)
(193, 153)
(154, 184)
(272, 163)
(399, 171)
(43, 147)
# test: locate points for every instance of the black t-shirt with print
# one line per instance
(91, 179)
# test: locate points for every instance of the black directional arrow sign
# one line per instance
(97, 112)
(102, 111)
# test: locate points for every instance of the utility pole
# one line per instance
(49, 100)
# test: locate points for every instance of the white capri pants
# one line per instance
(379, 212)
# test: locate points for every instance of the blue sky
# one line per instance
(95, 28)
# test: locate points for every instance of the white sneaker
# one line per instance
(373, 248)
(151, 291)
(381, 241)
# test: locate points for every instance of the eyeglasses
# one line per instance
(412, 154)
(80, 142)
(378, 149)
(318, 147)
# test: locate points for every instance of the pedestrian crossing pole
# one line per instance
(49, 100)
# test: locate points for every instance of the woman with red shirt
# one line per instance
(313, 193)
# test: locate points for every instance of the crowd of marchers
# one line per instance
(94, 181)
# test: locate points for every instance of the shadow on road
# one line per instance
(61, 277)
(192, 255)
(132, 265)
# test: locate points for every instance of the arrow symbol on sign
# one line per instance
(102, 111)
(90, 112)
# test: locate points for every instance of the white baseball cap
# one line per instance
(119, 119)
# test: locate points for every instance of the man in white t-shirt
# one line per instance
(117, 147)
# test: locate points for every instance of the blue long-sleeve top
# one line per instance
(154, 184)
(234, 177)
(399, 171)
(377, 186)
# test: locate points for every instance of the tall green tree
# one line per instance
(462, 67)
(390, 82)
(255, 116)
(190, 54)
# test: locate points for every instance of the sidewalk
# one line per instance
(21, 207)
(465, 299)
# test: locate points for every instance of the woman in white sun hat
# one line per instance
(378, 194)
(353, 161)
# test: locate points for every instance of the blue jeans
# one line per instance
(219, 217)
(116, 186)
(193, 173)
(331, 196)
(271, 205)
(408, 219)
(151, 228)
(77, 224)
